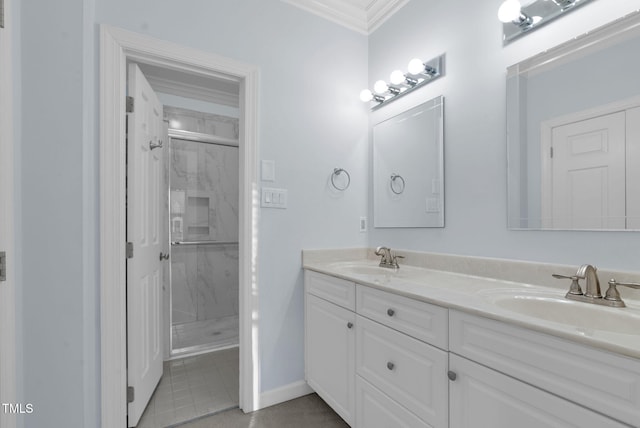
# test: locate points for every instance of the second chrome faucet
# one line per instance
(592, 293)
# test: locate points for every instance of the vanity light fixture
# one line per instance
(511, 11)
(521, 17)
(418, 74)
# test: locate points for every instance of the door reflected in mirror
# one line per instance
(408, 180)
(573, 133)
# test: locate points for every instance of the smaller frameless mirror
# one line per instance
(408, 180)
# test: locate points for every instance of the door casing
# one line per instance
(117, 46)
(7, 288)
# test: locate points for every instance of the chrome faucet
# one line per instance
(592, 292)
(388, 258)
(589, 273)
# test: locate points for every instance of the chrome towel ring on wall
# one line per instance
(397, 189)
(337, 172)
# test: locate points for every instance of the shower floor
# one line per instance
(197, 336)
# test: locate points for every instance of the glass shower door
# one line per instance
(204, 246)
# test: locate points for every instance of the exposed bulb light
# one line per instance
(397, 77)
(366, 95)
(509, 11)
(416, 66)
(380, 87)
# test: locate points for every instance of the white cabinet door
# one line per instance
(330, 354)
(481, 398)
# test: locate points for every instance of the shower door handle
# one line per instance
(164, 256)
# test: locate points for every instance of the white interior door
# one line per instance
(7, 286)
(144, 232)
(588, 173)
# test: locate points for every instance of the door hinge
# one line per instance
(551, 152)
(129, 103)
(3, 263)
(1, 13)
(129, 250)
(131, 394)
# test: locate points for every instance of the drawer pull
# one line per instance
(390, 365)
(349, 325)
(452, 375)
(391, 312)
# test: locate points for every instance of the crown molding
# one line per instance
(362, 16)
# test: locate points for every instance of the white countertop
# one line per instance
(611, 329)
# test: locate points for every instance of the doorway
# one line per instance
(588, 178)
(118, 47)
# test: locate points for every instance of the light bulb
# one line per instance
(416, 66)
(509, 11)
(380, 87)
(366, 95)
(397, 77)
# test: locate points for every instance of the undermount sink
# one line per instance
(363, 269)
(557, 309)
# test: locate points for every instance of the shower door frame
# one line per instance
(117, 46)
(195, 138)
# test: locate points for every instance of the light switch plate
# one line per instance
(273, 198)
(268, 170)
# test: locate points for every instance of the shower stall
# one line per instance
(203, 224)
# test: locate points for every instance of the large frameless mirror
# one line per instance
(408, 180)
(573, 133)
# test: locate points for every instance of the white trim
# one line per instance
(118, 46)
(185, 90)
(284, 393)
(354, 15)
(7, 289)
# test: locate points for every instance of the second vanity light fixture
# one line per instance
(522, 16)
(418, 74)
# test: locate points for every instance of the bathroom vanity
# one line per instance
(422, 347)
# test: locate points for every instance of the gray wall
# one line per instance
(475, 143)
(311, 121)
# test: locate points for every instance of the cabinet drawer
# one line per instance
(421, 320)
(409, 371)
(375, 410)
(335, 290)
(590, 377)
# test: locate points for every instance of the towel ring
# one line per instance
(394, 177)
(337, 172)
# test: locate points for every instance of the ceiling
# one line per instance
(363, 16)
(222, 90)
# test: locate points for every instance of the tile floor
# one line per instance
(192, 387)
(191, 336)
(304, 412)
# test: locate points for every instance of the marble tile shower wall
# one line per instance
(204, 207)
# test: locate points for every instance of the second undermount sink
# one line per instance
(359, 268)
(557, 309)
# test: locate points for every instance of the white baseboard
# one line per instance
(284, 393)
